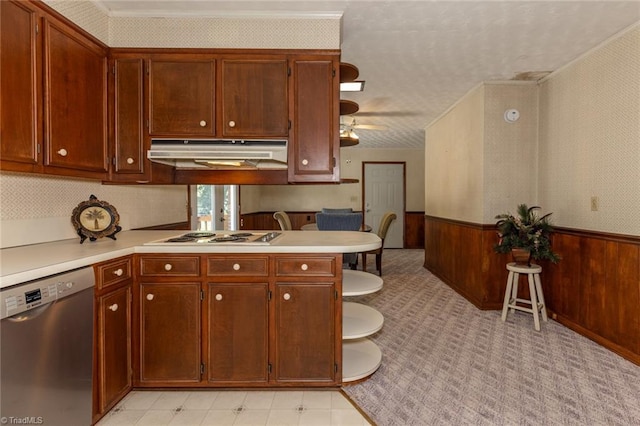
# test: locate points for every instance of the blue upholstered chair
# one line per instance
(341, 222)
(345, 210)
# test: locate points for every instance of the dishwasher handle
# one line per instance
(30, 314)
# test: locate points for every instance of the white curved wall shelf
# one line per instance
(359, 283)
(360, 356)
(360, 320)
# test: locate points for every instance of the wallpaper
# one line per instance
(454, 162)
(260, 32)
(510, 149)
(590, 139)
(35, 208)
(577, 139)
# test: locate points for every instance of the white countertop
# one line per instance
(26, 263)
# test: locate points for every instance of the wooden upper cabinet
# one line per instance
(314, 145)
(254, 98)
(127, 76)
(182, 97)
(75, 99)
(20, 128)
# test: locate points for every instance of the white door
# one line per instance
(384, 192)
(217, 207)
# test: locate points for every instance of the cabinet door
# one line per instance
(238, 329)
(314, 145)
(181, 97)
(169, 333)
(114, 346)
(127, 130)
(75, 100)
(254, 98)
(304, 341)
(20, 86)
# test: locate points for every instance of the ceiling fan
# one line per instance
(348, 124)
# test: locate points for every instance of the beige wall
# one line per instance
(578, 136)
(260, 32)
(35, 209)
(590, 139)
(314, 197)
(454, 160)
(510, 149)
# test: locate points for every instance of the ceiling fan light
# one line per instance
(352, 86)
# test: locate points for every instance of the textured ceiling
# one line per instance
(419, 57)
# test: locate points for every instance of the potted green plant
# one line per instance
(526, 235)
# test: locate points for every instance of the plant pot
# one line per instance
(521, 256)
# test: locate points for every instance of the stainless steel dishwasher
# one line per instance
(46, 350)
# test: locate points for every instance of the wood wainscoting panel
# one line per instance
(414, 230)
(594, 289)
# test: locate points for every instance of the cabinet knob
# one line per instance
(130, 160)
(168, 267)
(305, 162)
(236, 266)
(304, 267)
(232, 123)
(118, 272)
(149, 296)
(203, 123)
(286, 296)
(113, 307)
(218, 296)
(62, 152)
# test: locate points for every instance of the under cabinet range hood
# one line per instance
(220, 153)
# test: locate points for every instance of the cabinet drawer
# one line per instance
(170, 266)
(113, 273)
(306, 266)
(238, 266)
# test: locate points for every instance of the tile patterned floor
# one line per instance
(206, 407)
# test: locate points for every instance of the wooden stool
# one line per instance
(535, 291)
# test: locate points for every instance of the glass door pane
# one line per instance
(218, 207)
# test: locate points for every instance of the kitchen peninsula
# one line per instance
(206, 315)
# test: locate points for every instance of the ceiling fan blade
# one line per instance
(388, 113)
(370, 127)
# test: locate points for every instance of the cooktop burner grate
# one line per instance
(227, 238)
(181, 239)
(198, 235)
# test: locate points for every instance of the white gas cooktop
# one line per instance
(218, 237)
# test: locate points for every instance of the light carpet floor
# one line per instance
(445, 362)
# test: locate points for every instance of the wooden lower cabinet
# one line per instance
(238, 324)
(113, 341)
(114, 362)
(169, 333)
(304, 341)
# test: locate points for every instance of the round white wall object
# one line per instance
(511, 115)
